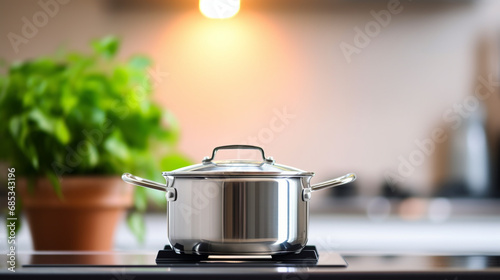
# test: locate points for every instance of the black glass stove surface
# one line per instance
(308, 257)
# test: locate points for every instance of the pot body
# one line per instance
(237, 206)
(238, 215)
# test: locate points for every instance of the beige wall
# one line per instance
(226, 79)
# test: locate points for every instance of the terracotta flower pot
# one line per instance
(85, 219)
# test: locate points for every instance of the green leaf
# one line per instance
(55, 184)
(139, 62)
(140, 199)
(171, 134)
(23, 135)
(68, 100)
(120, 77)
(43, 121)
(93, 154)
(135, 222)
(29, 99)
(97, 116)
(3, 88)
(174, 161)
(107, 46)
(41, 65)
(30, 152)
(62, 132)
(116, 146)
(15, 126)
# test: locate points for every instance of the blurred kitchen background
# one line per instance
(323, 86)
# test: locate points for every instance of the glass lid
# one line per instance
(211, 168)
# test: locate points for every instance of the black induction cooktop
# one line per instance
(309, 256)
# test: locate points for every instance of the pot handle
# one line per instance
(269, 160)
(350, 177)
(138, 181)
(306, 193)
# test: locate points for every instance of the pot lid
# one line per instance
(242, 168)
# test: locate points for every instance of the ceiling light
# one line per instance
(219, 8)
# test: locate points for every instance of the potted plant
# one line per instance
(71, 124)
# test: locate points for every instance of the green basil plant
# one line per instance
(87, 114)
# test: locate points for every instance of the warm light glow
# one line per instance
(242, 67)
(219, 8)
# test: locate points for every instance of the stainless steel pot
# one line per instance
(237, 206)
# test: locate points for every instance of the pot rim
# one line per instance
(237, 174)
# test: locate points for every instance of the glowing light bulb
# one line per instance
(219, 8)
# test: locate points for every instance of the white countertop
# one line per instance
(348, 234)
